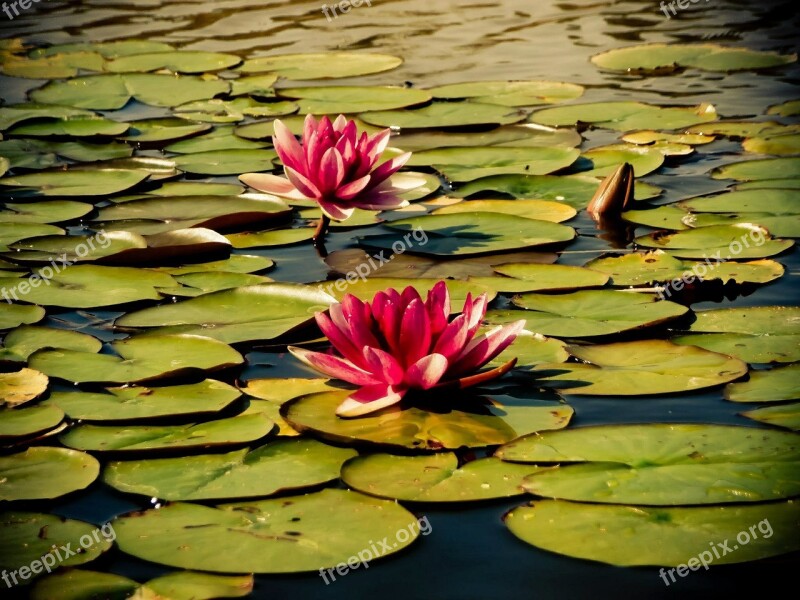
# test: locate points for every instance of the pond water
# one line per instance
(469, 553)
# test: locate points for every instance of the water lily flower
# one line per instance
(399, 342)
(335, 167)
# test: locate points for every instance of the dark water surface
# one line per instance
(470, 554)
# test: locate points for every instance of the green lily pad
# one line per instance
(772, 201)
(226, 162)
(14, 315)
(255, 85)
(112, 91)
(178, 212)
(741, 241)
(434, 477)
(543, 210)
(4, 166)
(42, 472)
(272, 237)
(753, 349)
(221, 138)
(774, 385)
(512, 136)
(656, 266)
(138, 359)
(708, 57)
(353, 99)
(194, 188)
(14, 232)
(668, 537)
(57, 66)
(197, 284)
(281, 390)
(162, 130)
(472, 422)
(742, 129)
(661, 464)
(83, 126)
(78, 584)
(178, 62)
(445, 114)
(471, 233)
(21, 386)
(277, 467)
(785, 415)
(46, 211)
(789, 108)
(777, 225)
(338, 524)
(329, 65)
(661, 217)
(139, 438)
(593, 312)
(95, 182)
(761, 169)
(777, 320)
(236, 263)
(625, 116)
(89, 286)
(640, 368)
(110, 50)
(25, 422)
(23, 341)
(553, 277)
(470, 163)
(603, 160)
(135, 403)
(259, 312)
(511, 93)
(776, 145)
(648, 136)
(18, 113)
(28, 537)
(233, 111)
(531, 349)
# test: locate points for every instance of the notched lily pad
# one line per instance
(42, 472)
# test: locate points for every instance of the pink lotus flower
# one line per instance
(335, 167)
(400, 342)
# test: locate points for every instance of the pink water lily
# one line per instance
(334, 166)
(399, 342)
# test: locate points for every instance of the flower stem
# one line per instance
(319, 235)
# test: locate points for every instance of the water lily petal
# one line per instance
(383, 365)
(331, 171)
(426, 372)
(302, 183)
(415, 332)
(272, 184)
(340, 123)
(438, 306)
(340, 340)
(334, 366)
(309, 128)
(452, 340)
(335, 211)
(353, 188)
(484, 348)
(288, 148)
(389, 168)
(369, 399)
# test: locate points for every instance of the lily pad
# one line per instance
(753, 349)
(277, 467)
(178, 62)
(23, 341)
(668, 537)
(90, 286)
(233, 111)
(471, 233)
(139, 438)
(259, 312)
(42, 472)
(512, 136)
(740, 241)
(84, 126)
(46, 211)
(25, 422)
(138, 359)
(135, 403)
(18, 113)
(472, 422)
(95, 182)
(353, 99)
(226, 162)
(445, 114)
(337, 524)
(640, 368)
(789, 108)
(22, 386)
(755, 320)
(776, 145)
(761, 169)
(14, 315)
(197, 284)
(148, 131)
(625, 115)
(272, 237)
(27, 537)
(777, 225)
(661, 464)
(543, 210)
(601, 161)
(329, 65)
(434, 477)
(553, 277)
(785, 415)
(709, 57)
(594, 312)
(773, 385)
(511, 93)
(112, 50)
(772, 201)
